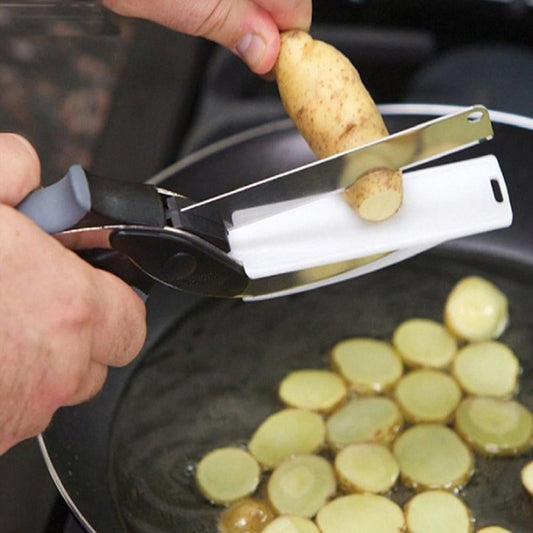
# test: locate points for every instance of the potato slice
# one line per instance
(323, 94)
(476, 310)
(227, 474)
(316, 390)
(291, 524)
(422, 342)
(288, 432)
(487, 369)
(526, 475)
(301, 485)
(361, 513)
(438, 511)
(367, 419)
(427, 396)
(432, 456)
(366, 467)
(245, 516)
(369, 365)
(493, 426)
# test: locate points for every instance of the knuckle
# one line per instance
(215, 21)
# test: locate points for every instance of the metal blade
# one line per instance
(402, 150)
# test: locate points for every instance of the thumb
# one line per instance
(20, 169)
(240, 25)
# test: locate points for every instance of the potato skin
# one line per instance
(324, 96)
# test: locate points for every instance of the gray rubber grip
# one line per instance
(59, 206)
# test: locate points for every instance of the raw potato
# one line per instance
(424, 343)
(476, 310)
(288, 432)
(369, 365)
(372, 419)
(245, 516)
(438, 511)
(527, 477)
(427, 396)
(361, 513)
(227, 474)
(432, 456)
(487, 369)
(301, 485)
(366, 467)
(324, 96)
(291, 524)
(493, 426)
(316, 390)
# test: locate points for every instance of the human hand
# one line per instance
(62, 322)
(249, 28)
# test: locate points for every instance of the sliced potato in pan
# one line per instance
(493, 426)
(285, 433)
(361, 513)
(427, 395)
(227, 474)
(493, 529)
(245, 516)
(366, 419)
(526, 475)
(316, 390)
(424, 343)
(291, 524)
(432, 456)
(301, 485)
(369, 365)
(476, 310)
(438, 511)
(487, 369)
(366, 467)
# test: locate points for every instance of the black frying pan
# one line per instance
(209, 370)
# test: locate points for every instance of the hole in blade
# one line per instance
(475, 116)
(496, 191)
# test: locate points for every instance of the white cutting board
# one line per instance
(440, 203)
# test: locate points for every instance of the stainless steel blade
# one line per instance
(414, 146)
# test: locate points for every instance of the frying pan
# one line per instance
(208, 373)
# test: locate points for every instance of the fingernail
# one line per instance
(251, 48)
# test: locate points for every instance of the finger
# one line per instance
(240, 25)
(119, 321)
(91, 383)
(289, 14)
(20, 169)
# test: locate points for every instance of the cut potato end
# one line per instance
(422, 342)
(493, 426)
(438, 511)
(361, 512)
(288, 432)
(367, 419)
(366, 467)
(369, 365)
(245, 516)
(487, 369)
(227, 474)
(427, 396)
(301, 485)
(432, 456)
(476, 310)
(291, 524)
(316, 390)
(377, 195)
(526, 475)
(323, 94)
